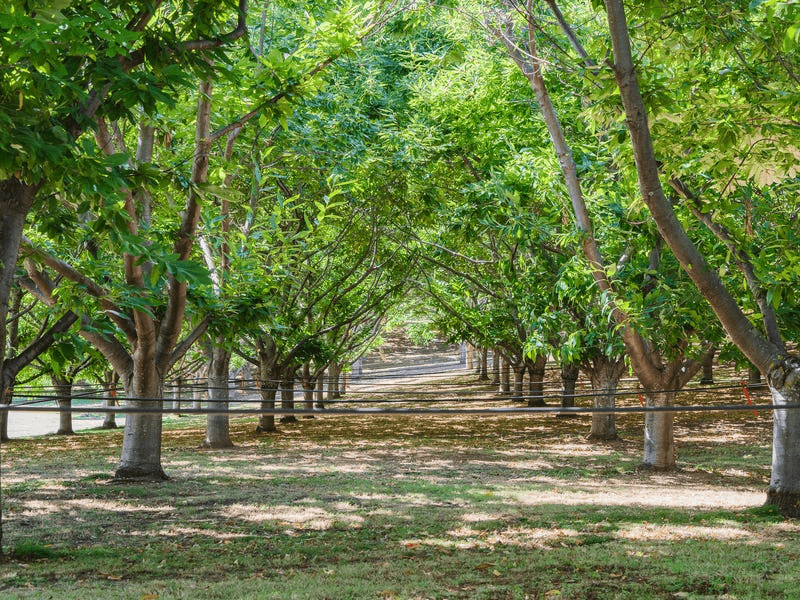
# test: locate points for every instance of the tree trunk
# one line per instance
(334, 375)
(141, 443)
(269, 390)
(287, 394)
(470, 363)
(569, 377)
(505, 376)
(659, 441)
(309, 385)
(708, 369)
(16, 200)
(536, 372)
(495, 367)
(484, 366)
(109, 384)
(320, 393)
(784, 485)
(753, 376)
(218, 425)
(604, 373)
(519, 379)
(63, 389)
(6, 396)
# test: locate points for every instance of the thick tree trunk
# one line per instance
(63, 389)
(218, 424)
(141, 442)
(536, 372)
(604, 373)
(569, 377)
(659, 441)
(784, 485)
(495, 367)
(287, 394)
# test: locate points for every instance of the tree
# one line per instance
(661, 370)
(765, 349)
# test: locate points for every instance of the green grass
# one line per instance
(377, 508)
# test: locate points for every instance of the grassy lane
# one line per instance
(401, 508)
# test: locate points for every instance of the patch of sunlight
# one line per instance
(298, 517)
(576, 449)
(478, 517)
(187, 531)
(675, 533)
(40, 507)
(466, 538)
(402, 499)
(285, 468)
(655, 496)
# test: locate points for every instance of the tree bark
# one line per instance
(141, 442)
(569, 378)
(269, 377)
(334, 375)
(659, 442)
(505, 376)
(519, 379)
(536, 373)
(708, 368)
(309, 385)
(62, 385)
(484, 365)
(320, 392)
(784, 484)
(753, 376)
(604, 373)
(109, 384)
(218, 424)
(495, 367)
(287, 394)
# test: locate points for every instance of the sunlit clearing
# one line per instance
(41, 507)
(297, 517)
(654, 496)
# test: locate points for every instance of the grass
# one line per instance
(501, 507)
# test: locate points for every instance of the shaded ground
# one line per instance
(512, 506)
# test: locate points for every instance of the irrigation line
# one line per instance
(417, 398)
(551, 394)
(404, 411)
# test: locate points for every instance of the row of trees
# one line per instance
(270, 181)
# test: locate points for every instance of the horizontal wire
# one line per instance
(400, 411)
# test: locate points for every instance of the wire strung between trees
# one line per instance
(396, 411)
